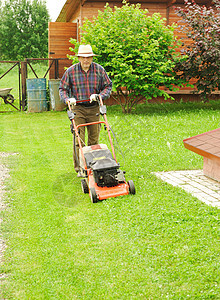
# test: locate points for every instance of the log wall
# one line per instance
(76, 11)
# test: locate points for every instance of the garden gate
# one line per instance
(14, 64)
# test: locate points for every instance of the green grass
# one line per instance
(161, 243)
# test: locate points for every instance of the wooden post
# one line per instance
(56, 68)
(23, 83)
(211, 168)
(168, 16)
(19, 84)
(170, 2)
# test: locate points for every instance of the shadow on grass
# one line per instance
(67, 190)
(168, 108)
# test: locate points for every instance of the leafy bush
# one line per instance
(202, 25)
(137, 51)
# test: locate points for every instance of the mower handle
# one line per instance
(103, 112)
(92, 123)
(98, 99)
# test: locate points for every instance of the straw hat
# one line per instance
(85, 51)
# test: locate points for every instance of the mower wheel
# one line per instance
(93, 195)
(84, 186)
(131, 187)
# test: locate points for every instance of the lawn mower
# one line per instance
(102, 177)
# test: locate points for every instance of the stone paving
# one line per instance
(194, 182)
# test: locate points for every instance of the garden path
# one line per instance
(196, 183)
(4, 174)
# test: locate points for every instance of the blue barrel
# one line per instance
(36, 94)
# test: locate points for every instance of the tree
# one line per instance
(137, 51)
(202, 25)
(24, 29)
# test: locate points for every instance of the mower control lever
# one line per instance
(71, 115)
(103, 109)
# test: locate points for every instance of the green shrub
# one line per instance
(137, 50)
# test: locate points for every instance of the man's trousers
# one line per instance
(86, 114)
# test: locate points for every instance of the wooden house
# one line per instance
(74, 11)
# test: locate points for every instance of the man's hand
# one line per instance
(72, 101)
(94, 97)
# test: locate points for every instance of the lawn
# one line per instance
(161, 243)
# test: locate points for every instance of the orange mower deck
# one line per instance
(103, 193)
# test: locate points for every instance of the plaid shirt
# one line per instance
(81, 85)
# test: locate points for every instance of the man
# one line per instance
(84, 81)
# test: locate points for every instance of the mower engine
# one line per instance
(105, 169)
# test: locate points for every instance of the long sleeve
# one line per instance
(106, 86)
(64, 88)
(81, 85)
